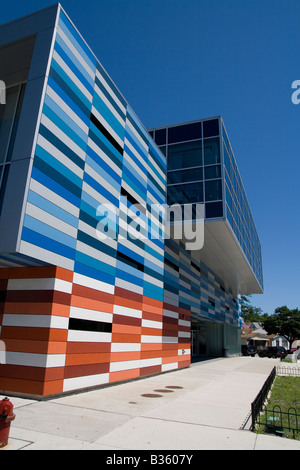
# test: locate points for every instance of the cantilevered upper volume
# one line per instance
(201, 167)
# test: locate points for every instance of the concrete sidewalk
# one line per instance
(203, 407)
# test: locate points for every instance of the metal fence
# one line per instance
(275, 420)
(258, 403)
(292, 371)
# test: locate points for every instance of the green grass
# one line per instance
(285, 393)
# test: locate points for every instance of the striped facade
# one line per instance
(91, 291)
(97, 316)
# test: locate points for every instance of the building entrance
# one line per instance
(199, 339)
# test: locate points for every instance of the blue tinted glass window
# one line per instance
(184, 155)
(161, 136)
(184, 176)
(163, 149)
(211, 151)
(212, 172)
(185, 193)
(186, 132)
(213, 190)
(211, 128)
(213, 209)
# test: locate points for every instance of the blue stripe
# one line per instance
(114, 181)
(93, 273)
(68, 121)
(47, 243)
(102, 164)
(48, 231)
(58, 166)
(59, 89)
(108, 116)
(129, 277)
(51, 208)
(100, 189)
(57, 188)
(57, 68)
(95, 264)
(69, 58)
(61, 124)
(77, 41)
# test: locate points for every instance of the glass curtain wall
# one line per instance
(9, 118)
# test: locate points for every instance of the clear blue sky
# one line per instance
(178, 60)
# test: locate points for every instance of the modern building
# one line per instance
(201, 168)
(88, 295)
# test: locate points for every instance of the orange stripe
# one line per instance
(92, 304)
(151, 347)
(124, 338)
(30, 387)
(123, 375)
(151, 331)
(80, 359)
(34, 308)
(64, 274)
(126, 329)
(125, 356)
(127, 303)
(51, 387)
(60, 310)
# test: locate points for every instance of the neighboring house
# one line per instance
(254, 334)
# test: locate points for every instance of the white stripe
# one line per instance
(93, 283)
(137, 135)
(151, 339)
(100, 180)
(110, 91)
(87, 314)
(72, 76)
(110, 106)
(124, 365)
(62, 104)
(104, 157)
(89, 230)
(129, 286)
(107, 126)
(125, 347)
(62, 136)
(171, 366)
(76, 53)
(96, 254)
(58, 155)
(127, 311)
(75, 383)
(152, 324)
(47, 256)
(49, 219)
(89, 336)
(31, 284)
(39, 321)
(54, 198)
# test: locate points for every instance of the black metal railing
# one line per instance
(291, 371)
(258, 404)
(275, 420)
(279, 422)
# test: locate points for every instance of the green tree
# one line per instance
(284, 322)
(249, 312)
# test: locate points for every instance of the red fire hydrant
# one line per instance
(6, 417)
